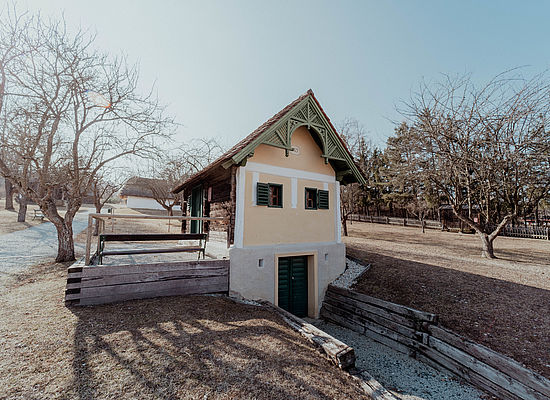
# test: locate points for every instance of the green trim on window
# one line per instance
(262, 194)
(322, 199)
(314, 192)
(280, 195)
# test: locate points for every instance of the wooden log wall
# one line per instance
(418, 334)
(222, 210)
(87, 285)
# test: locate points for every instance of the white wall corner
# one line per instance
(294, 192)
(337, 223)
(239, 207)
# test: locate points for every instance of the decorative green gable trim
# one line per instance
(305, 113)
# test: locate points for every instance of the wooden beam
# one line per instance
(338, 352)
(144, 216)
(89, 239)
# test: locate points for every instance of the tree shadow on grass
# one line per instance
(195, 347)
(510, 318)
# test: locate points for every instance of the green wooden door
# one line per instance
(196, 209)
(292, 285)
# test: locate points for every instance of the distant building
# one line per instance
(137, 193)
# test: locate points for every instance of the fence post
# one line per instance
(404, 221)
(388, 220)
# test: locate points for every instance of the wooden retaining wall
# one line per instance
(418, 334)
(87, 285)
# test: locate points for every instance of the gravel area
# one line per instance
(405, 377)
(349, 277)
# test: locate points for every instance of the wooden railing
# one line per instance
(103, 218)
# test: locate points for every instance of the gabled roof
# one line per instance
(277, 131)
(140, 187)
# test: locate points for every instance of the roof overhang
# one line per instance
(306, 113)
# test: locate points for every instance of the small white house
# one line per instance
(280, 189)
(137, 193)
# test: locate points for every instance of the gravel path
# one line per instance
(405, 377)
(22, 249)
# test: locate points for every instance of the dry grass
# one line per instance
(169, 348)
(8, 219)
(503, 303)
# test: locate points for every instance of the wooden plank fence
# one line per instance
(428, 223)
(87, 285)
(528, 232)
(418, 334)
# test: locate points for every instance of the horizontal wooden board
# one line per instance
(104, 270)
(397, 308)
(377, 333)
(447, 365)
(368, 309)
(178, 249)
(221, 283)
(147, 237)
(502, 363)
(160, 276)
(372, 387)
(186, 291)
(490, 373)
(374, 318)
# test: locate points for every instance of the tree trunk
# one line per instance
(98, 208)
(22, 214)
(487, 245)
(65, 245)
(9, 194)
(345, 225)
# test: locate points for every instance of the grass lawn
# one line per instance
(502, 303)
(199, 347)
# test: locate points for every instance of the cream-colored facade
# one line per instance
(264, 234)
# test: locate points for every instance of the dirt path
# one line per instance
(503, 303)
(21, 249)
(200, 347)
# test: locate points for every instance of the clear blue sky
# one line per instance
(224, 67)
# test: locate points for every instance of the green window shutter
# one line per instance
(262, 194)
(322, 197)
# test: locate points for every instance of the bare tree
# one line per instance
(72, 112)
(486, 149)
(10, 49)
(9, 195)
(177, 164)
(353, 195)
(103, 189)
